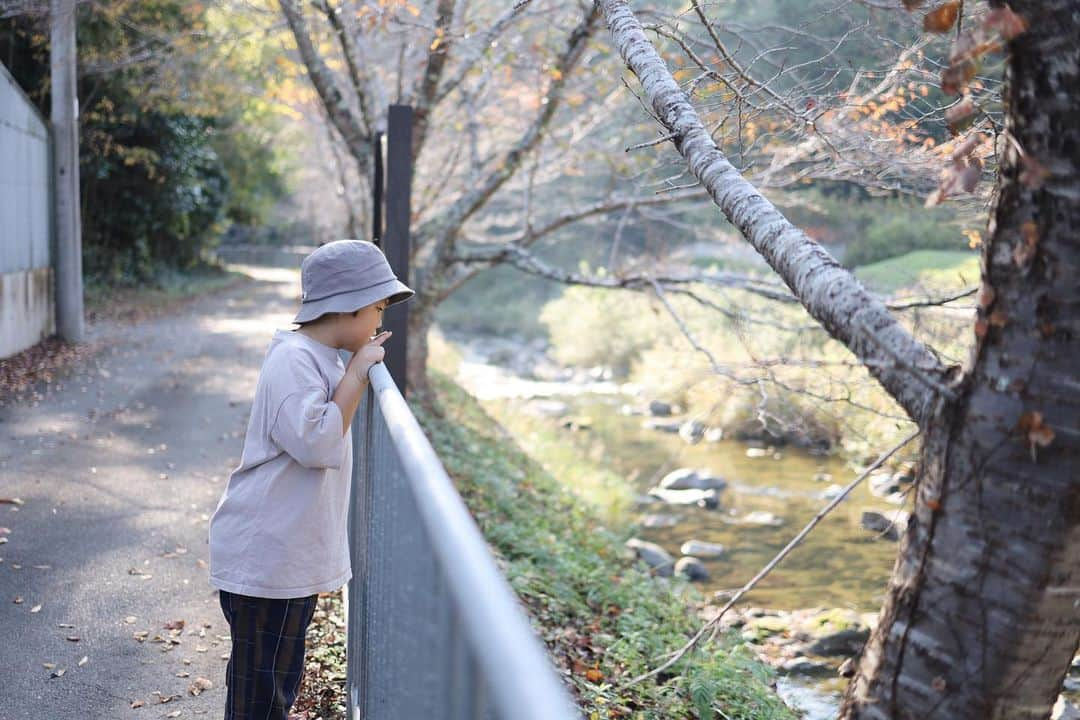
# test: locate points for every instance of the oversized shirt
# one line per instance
(280, 528)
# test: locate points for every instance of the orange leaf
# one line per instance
(1035, 431)
(594, 675)
(1024, 252)
(942, 18)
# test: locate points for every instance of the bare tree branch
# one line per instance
(322, 78)
(829, 292)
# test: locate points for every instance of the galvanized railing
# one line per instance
(434, 630)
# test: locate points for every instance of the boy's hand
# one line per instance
(368, 355)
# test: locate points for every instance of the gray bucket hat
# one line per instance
(344, 276)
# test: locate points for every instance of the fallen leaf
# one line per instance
(199, 686)
(35, 609)
(594, 675)
(73, 638)
(174, 625)
(48, 666)
(136, 704)
(18, 600)
(11, 501)
(130, 619)
(183, 674)
(58, 673)
(65, 625)
(173, 714)
(83, 660)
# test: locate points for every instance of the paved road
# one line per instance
(119, 467)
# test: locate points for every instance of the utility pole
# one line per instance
(65, 131)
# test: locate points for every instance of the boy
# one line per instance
(279, 535)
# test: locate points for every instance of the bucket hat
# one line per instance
(344, 276)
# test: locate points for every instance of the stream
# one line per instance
(840, 565)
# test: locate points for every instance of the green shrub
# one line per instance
(900, 231)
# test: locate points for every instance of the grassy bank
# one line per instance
(603, 620)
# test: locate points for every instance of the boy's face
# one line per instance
(360, 328)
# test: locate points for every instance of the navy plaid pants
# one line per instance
(267, 660)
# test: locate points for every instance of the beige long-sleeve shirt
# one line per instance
(280, 528)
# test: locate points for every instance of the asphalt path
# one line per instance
(118, 466)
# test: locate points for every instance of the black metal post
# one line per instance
(396, 245)
(377, 191)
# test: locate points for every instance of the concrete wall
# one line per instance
(26, 309)
(26, 296)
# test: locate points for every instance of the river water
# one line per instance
(840, 565)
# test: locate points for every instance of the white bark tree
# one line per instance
(982, 618)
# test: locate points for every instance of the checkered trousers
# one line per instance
(267, 661)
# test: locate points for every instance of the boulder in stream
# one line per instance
(660, 520)
(692, 431)
(690, 479)
(882, 484)
(889, 524)
(656, 557)
(692, 569)
(702, 498)
(659, 408)
(702, 549)
(661, 425)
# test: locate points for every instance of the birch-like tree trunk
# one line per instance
(983, 613)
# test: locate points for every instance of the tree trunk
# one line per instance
(983, 614)
(421, 318)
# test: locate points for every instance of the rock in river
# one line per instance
(660, 520)
(654, 556)
(889, 525)
(702, 549)
(659, 408)
(702, 498)
(882, 484)
(661, 425)
(691, 568)
(690, 479)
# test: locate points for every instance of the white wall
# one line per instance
(26, 297)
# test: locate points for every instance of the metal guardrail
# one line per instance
(434, 630)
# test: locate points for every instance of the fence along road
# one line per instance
(26, 277)
(434, 630)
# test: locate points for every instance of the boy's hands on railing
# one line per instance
(370, 354)
(351, 388)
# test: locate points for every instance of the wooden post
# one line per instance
(65, 125)
(396, 242)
